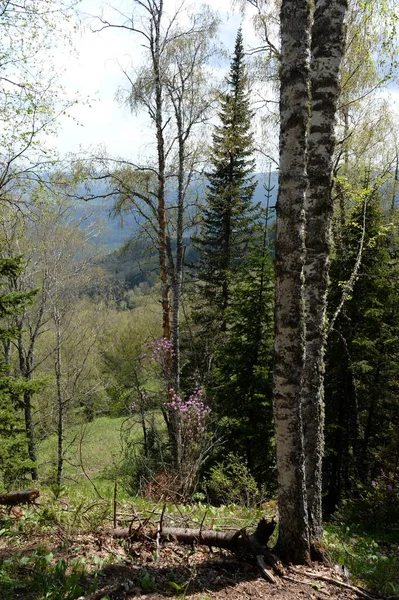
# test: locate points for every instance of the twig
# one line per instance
(337, 582)
(82, 434)
(302, 582)
(202, 523)
(115, 499)
(159, 531)
(352, 279)
(111, 589)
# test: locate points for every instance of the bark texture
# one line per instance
(304, 203)
(326, 55)
(293, 541)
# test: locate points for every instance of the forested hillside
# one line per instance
(202, 333)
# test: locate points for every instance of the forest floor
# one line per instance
(128, 571)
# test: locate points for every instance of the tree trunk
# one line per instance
(32, 453)
(326, 54)
(156, 12)
(60, 403)
(178, 266)
(26, 368)
(293, 540)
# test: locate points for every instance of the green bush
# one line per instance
(372, 562)
(38, 575)
(230, 482)
(375, 509)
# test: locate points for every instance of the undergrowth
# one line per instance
(38, 575)
(372, 560)
(40, 572)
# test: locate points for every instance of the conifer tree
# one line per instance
(228, 219)
(14, 461)
(242, 374)
(362, 354)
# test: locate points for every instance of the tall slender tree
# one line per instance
(228, 219)
(310, 63)
(173, 88)
(242, 374)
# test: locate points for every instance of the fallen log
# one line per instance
(239, 542)
(19, 497)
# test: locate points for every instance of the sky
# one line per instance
(93, 72)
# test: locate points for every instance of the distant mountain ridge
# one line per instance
(115, 232)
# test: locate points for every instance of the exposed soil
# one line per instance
(140, 570)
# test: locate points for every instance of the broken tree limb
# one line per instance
(337, 582)
(19, 497)
(266, 572)
(238, 542)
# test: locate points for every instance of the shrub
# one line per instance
(375, 509)
(230, 482)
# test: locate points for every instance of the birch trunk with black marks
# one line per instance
(326, 55)
(306, 149)
(293, 540)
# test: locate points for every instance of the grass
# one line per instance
(372, 559)
(98, 444)
(95, 446)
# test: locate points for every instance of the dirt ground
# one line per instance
(139, 570)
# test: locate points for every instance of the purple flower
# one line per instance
(374, 483)
(389, 487)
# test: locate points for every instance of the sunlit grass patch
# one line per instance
(372, 560)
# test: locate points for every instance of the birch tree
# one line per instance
(290, 255)
(310, 62)
(172, 88)
(30, 93)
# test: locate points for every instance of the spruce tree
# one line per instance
(14, 460)
(362, 355)
(243, 365)
(228, 219)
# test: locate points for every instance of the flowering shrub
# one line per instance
(193, 413)
(160, 352)
(186, 421)
(190, 418)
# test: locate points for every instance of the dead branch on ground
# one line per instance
(19, 497)
(239, 542)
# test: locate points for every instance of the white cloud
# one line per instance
(93, 71)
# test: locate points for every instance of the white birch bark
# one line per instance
(293, 542)
(326, 53)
